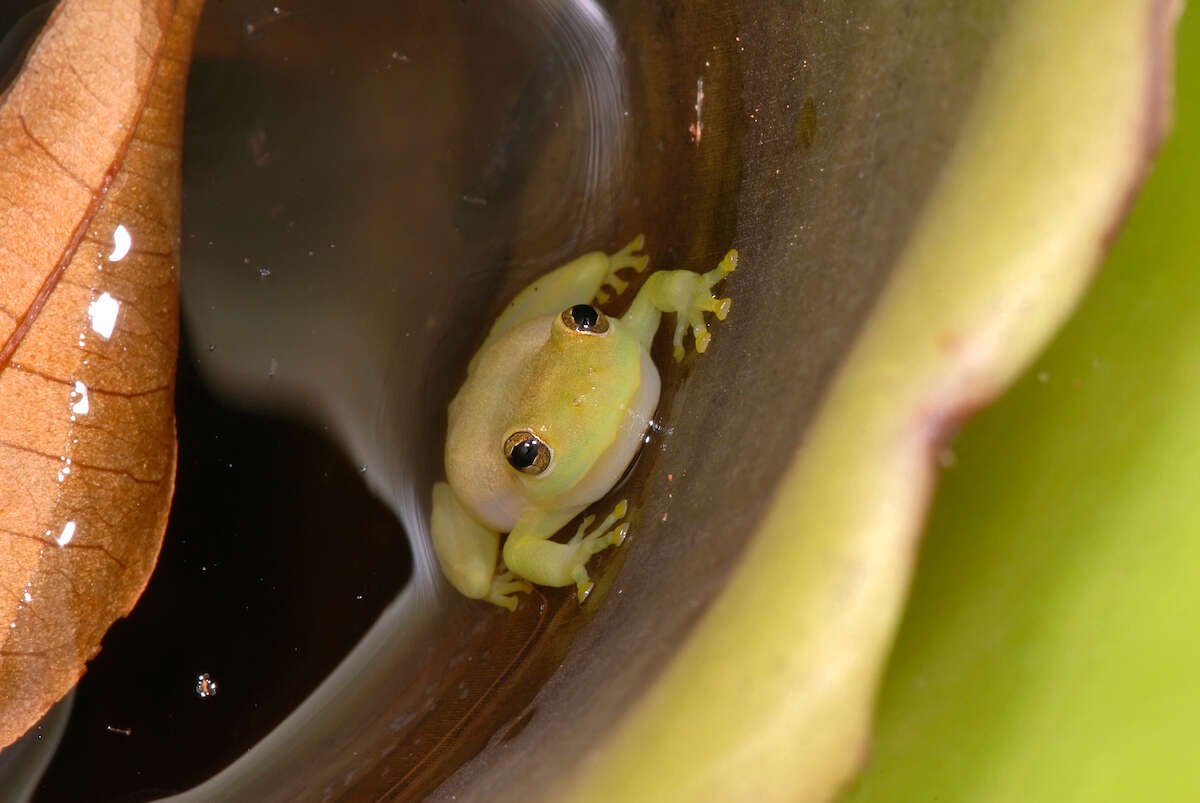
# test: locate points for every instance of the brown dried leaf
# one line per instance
(90, 136)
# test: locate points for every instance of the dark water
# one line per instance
(276, 561)
(20, 20)
(356, 210)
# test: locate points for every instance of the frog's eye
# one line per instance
(585, 319)
(527, 452)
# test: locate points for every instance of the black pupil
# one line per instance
(523, 454)
(585, 315)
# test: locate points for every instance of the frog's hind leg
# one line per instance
(529, 552)
(628, 257)
(467, 553)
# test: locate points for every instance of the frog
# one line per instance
(555, 407)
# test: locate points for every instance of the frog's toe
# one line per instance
(680, 328)
(630, 251)
(508, 582)
(504, 587)
(726, 266)
(616, 283)
(508, 602)
(587, 544)
(703, 301)
(605, 535)
(581, 533)
(627, 257)
(720, 308)
(583, 588)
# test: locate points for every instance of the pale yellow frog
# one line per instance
(555, 406)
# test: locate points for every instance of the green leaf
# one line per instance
(771, 697)
(1049, 651)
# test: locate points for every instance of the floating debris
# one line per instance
(205, 685)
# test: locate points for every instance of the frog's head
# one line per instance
(589, 393)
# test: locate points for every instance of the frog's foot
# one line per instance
(702, 301)
(624, 259)
(504, 586)
(587, 544)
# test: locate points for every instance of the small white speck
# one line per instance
(68, 532)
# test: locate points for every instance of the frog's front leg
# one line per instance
(530, 553)
(685, 293)
(625, 259)
(467, 552)
(576, 282)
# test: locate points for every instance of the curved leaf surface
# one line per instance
(1048, 651)
(89, 216)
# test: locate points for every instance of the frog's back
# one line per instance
(589, 398)
(475, 465)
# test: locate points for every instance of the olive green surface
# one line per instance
(1049, 651)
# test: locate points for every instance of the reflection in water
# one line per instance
(350, 265)
(565, 135)
(349, 242)
(341, 261)
(23, 763)
(366, 255)
(16, 39)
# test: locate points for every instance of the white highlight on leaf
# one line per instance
(81, 406)
(121, 243)
(103, 312)
(68, 532)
